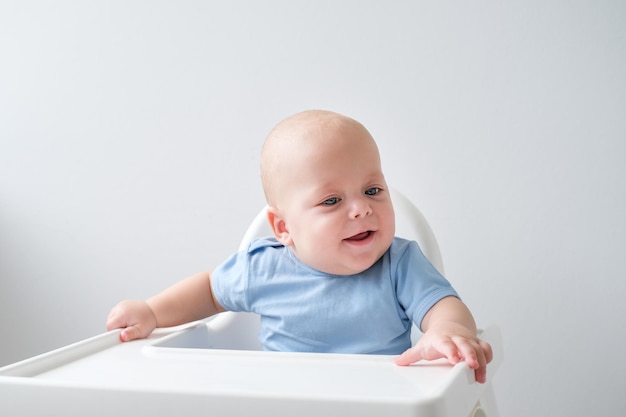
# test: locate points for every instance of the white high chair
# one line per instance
(215, 366)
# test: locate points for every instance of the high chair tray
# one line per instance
(181, 373)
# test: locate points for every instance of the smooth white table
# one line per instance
(193, 370)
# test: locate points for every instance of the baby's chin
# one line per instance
(352, 268)
(359, 253)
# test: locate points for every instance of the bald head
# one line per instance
(303, 136)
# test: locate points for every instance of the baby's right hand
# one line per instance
(135, 317)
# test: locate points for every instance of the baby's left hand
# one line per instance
(452, 341)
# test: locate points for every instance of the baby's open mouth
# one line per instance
(360, 236)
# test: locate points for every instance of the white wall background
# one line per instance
(130, 133)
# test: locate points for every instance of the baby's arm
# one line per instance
(188, 300)
(450, 332)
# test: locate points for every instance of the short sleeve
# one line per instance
(419, 285)
(229, 282)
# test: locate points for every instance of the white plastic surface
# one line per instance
(180, 374)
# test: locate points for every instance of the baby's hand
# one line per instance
(135, 317)
(454, 342)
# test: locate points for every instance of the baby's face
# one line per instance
(337, 212)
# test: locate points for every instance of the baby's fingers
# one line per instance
(135, 318)
(443, 349)
(485, 355)
(408, 357)
(477, 354)
(132, 333)
(115, 320)
(469, 352)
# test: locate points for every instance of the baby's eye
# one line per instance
(331, 201)
(372, 191)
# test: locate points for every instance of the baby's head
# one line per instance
(327, 196)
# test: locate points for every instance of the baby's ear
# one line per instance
(278, 225)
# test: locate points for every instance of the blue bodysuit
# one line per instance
(305, 310)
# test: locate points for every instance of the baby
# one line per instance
(334, 278)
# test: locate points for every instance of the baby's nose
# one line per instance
(359, 208)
